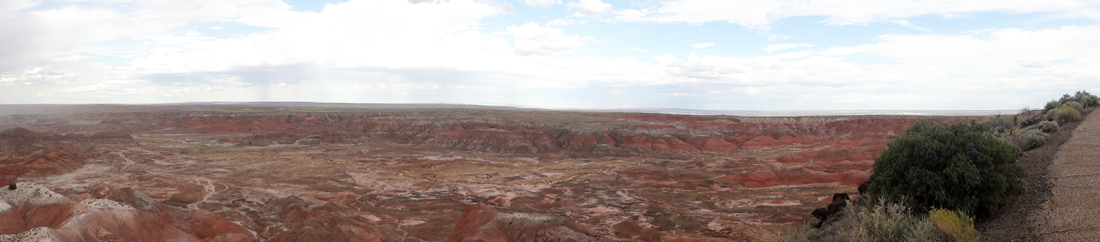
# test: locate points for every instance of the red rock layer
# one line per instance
(768, 175)
(29, 154)
(330, 222)
(148, 221)
(11, 220)
(664, 134)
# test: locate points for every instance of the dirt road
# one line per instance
(1073, 211)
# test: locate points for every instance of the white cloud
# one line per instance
(33, 36)
(1032, 64)
(393, 33)
(665, 59)
(998, 51)
(703, 45)
(590, 7)
(759, 14)
(8, 6)
(394, 51)
(534, 40)
(911, 25)
(775, 47)
(564, 22)
(215, 28)
(542, 3)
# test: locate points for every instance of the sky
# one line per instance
(570, 54)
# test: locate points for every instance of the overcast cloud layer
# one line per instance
(694, 54)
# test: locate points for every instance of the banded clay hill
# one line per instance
(297, 173)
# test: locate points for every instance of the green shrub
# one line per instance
(1064, 114)
(1051, 105)
(11, 186)
(1076, 105)
(950, 166)
(1048, 126)
(956, 226)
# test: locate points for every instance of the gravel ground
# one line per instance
(1045, 211)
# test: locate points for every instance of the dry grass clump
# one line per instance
(879, 221)
(887, 222)
(956, 226)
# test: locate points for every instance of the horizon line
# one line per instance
(660, 110)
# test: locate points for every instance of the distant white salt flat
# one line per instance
(805, 113)
(8, 109)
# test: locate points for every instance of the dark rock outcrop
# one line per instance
(840, 201)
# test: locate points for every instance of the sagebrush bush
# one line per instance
(1031, 139)
(1030, 120)
(1087, 99)
(1064, 114)
(1051, 105)
(999, 123)
(1076, 105)
(1048, 126)
(950, 166)
(1067, 98)
(1091, 101)
(956, 226)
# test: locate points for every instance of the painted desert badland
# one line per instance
(270, 172)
